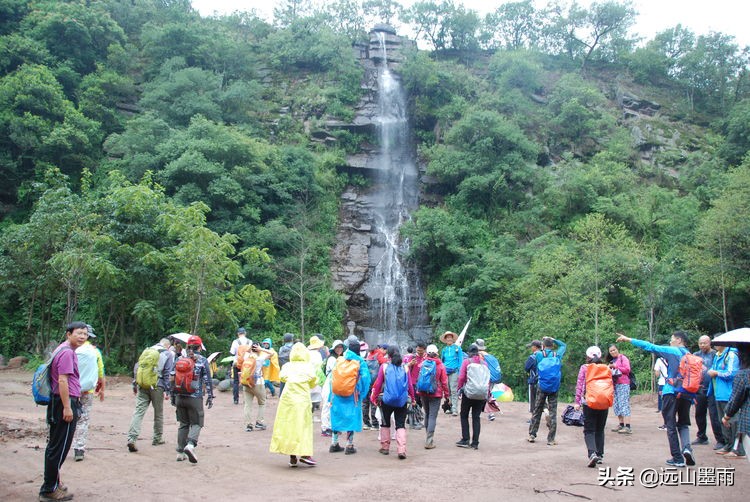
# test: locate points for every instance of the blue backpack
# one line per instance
(373, 365)
(41, 382)
(427, 379)
(549, 373)
(496, 374)
(395, 390)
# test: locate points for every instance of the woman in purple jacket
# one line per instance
(620, 366)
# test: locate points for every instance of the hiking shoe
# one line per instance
(618, 428)
(593, 458)
(401, 456)
(733, 454)
(58, 494)
(625, 430)
(531, 439)
(675, 463)
(132, 448)
(700, 441)
(190, 452)
(350, 450)
(463, 443)
(689, 458)
(248, 428)
(181, 457)
(78, 455)
(719, 446)
(384, 451)
(335, 448)
(308, 461)
(260, 426)
(662, 427)
(157, 442)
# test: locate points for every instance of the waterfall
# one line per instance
(398, 313)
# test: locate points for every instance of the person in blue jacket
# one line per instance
(346, 412)
(723, 371)
(675, 407)
(452, 357)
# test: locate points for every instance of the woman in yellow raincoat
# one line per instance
(293, 427)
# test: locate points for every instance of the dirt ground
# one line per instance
(234, 464)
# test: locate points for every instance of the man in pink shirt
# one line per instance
(62, 410)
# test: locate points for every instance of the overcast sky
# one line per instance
(730, 17)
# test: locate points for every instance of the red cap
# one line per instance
(195, 340)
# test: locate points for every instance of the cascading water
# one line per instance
(398, 313)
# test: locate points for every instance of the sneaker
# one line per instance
(454, 414)
(662, 427)
(722, 452)
(248, 428)
(292, 461)
(474, 446)
(190, 452)
(401, 456)
(308, 461)
(689, 458)
(375, 427)
(158, 442)
(625, 430)
(593, 458)
(366, 427)
(78, 455)
(735, 455)
(236, 401)
(719, 446)
(350, 450)
(132, 448)
(384, 451)
(618, 428)
(58, 494)
(335, 448)
(260, 426)
(531, 439)
(675, 463)
(181, 457)
(463, 443)
(599, 459)
(491, 417)
(700, 441)
(552, 443)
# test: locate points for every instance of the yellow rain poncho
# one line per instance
(293, 427)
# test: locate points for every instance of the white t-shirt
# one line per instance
(661, 367)
(241, 340)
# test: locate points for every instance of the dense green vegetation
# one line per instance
(159, 172)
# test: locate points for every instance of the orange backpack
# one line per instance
(247, 373)
(690, 374)
(600, 391)
(241, 351)
(344, 376)
(184, 376)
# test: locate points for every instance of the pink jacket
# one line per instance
(622, 363)
(581, 383)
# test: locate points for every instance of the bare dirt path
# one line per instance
(236, 465)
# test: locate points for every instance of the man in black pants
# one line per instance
(62, 411)
(705, 404)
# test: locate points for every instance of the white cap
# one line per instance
(432, 349)
(593, 352)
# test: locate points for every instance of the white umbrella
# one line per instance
(733, 338)
(460, 340)
(183, 337)
(212, 357)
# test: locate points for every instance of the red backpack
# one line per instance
(689, 375)
(184, 375)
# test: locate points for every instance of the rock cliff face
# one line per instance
(383, 293)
